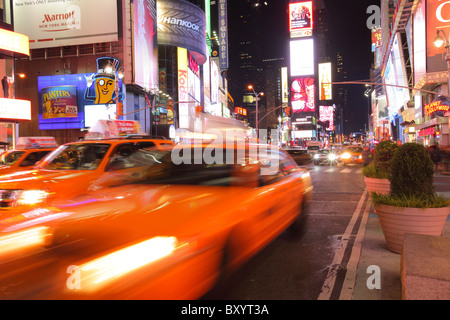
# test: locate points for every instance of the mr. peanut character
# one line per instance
(104, 81)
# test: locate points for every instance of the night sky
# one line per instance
(348, 35)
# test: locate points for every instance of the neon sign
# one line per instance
(435, 106)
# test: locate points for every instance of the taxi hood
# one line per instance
(38, 178)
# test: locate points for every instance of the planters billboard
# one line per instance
(61, 101)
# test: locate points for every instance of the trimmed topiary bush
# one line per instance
(411, 180)
(412, 172)
(381, 165)
(384, 152)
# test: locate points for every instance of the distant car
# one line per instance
(326, 156)
(300, 156)
(170, 234)
(352, 155)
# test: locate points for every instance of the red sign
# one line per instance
(426, 132)
(240, 111)
(300, 19)
(435, 106)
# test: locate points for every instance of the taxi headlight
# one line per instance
(346, 155)
(30, 197)
(21, 240)
(111, 266)
(331, 156)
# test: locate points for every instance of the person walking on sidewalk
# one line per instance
(435, 155)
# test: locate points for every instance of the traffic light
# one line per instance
(288, 111)
(198, 110)
(119, 110)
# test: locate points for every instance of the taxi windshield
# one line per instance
(77, 156)
(164, 167)
(9, 158)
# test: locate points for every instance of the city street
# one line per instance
(326, 262)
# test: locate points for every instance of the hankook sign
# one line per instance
(182, 24)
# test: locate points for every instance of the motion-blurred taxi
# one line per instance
(170, 234)
(28, 152)
(75, 167)
(352, 155)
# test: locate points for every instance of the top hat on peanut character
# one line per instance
(107, 67)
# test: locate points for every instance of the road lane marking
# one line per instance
(330, 279)
(352, 265)
(346, 170)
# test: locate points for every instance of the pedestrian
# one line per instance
(435, 155)
(367, 156)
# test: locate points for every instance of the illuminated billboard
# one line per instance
(300, 19)
(145, 44)
(284, 85)
(183, 96)
(325, 92)
(62, 100)
(302, 57)
(182, 24)
(326, 113)
(302, 95)
(66, 23)
(437, 18)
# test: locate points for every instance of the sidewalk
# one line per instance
(375, 253)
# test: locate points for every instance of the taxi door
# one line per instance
(273, 204)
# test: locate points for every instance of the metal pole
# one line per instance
(257, 135)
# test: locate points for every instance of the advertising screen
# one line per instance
(62, 101)
(145, 44)
(284, 85)
(437, 18)
(419, 32)
(95, 112)
(302, 57)
(66, 23)
(302, 95)
(182, 24)
(300, 19)
(326, 113)
(325, 92)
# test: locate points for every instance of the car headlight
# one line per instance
(331, 156)
(346, 155)
(18, 241)
(30, 197)
(13, 198)
(316, 156)
(109, 267)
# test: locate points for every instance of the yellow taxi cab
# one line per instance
(28, 151)
(196, 215)
(352, 155)
(74, 167)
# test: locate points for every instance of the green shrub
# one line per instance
(384, 152)
(370, 171)
(436, 201)
(411, 173)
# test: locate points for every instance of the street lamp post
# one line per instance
(438, 42)
(250, 87)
